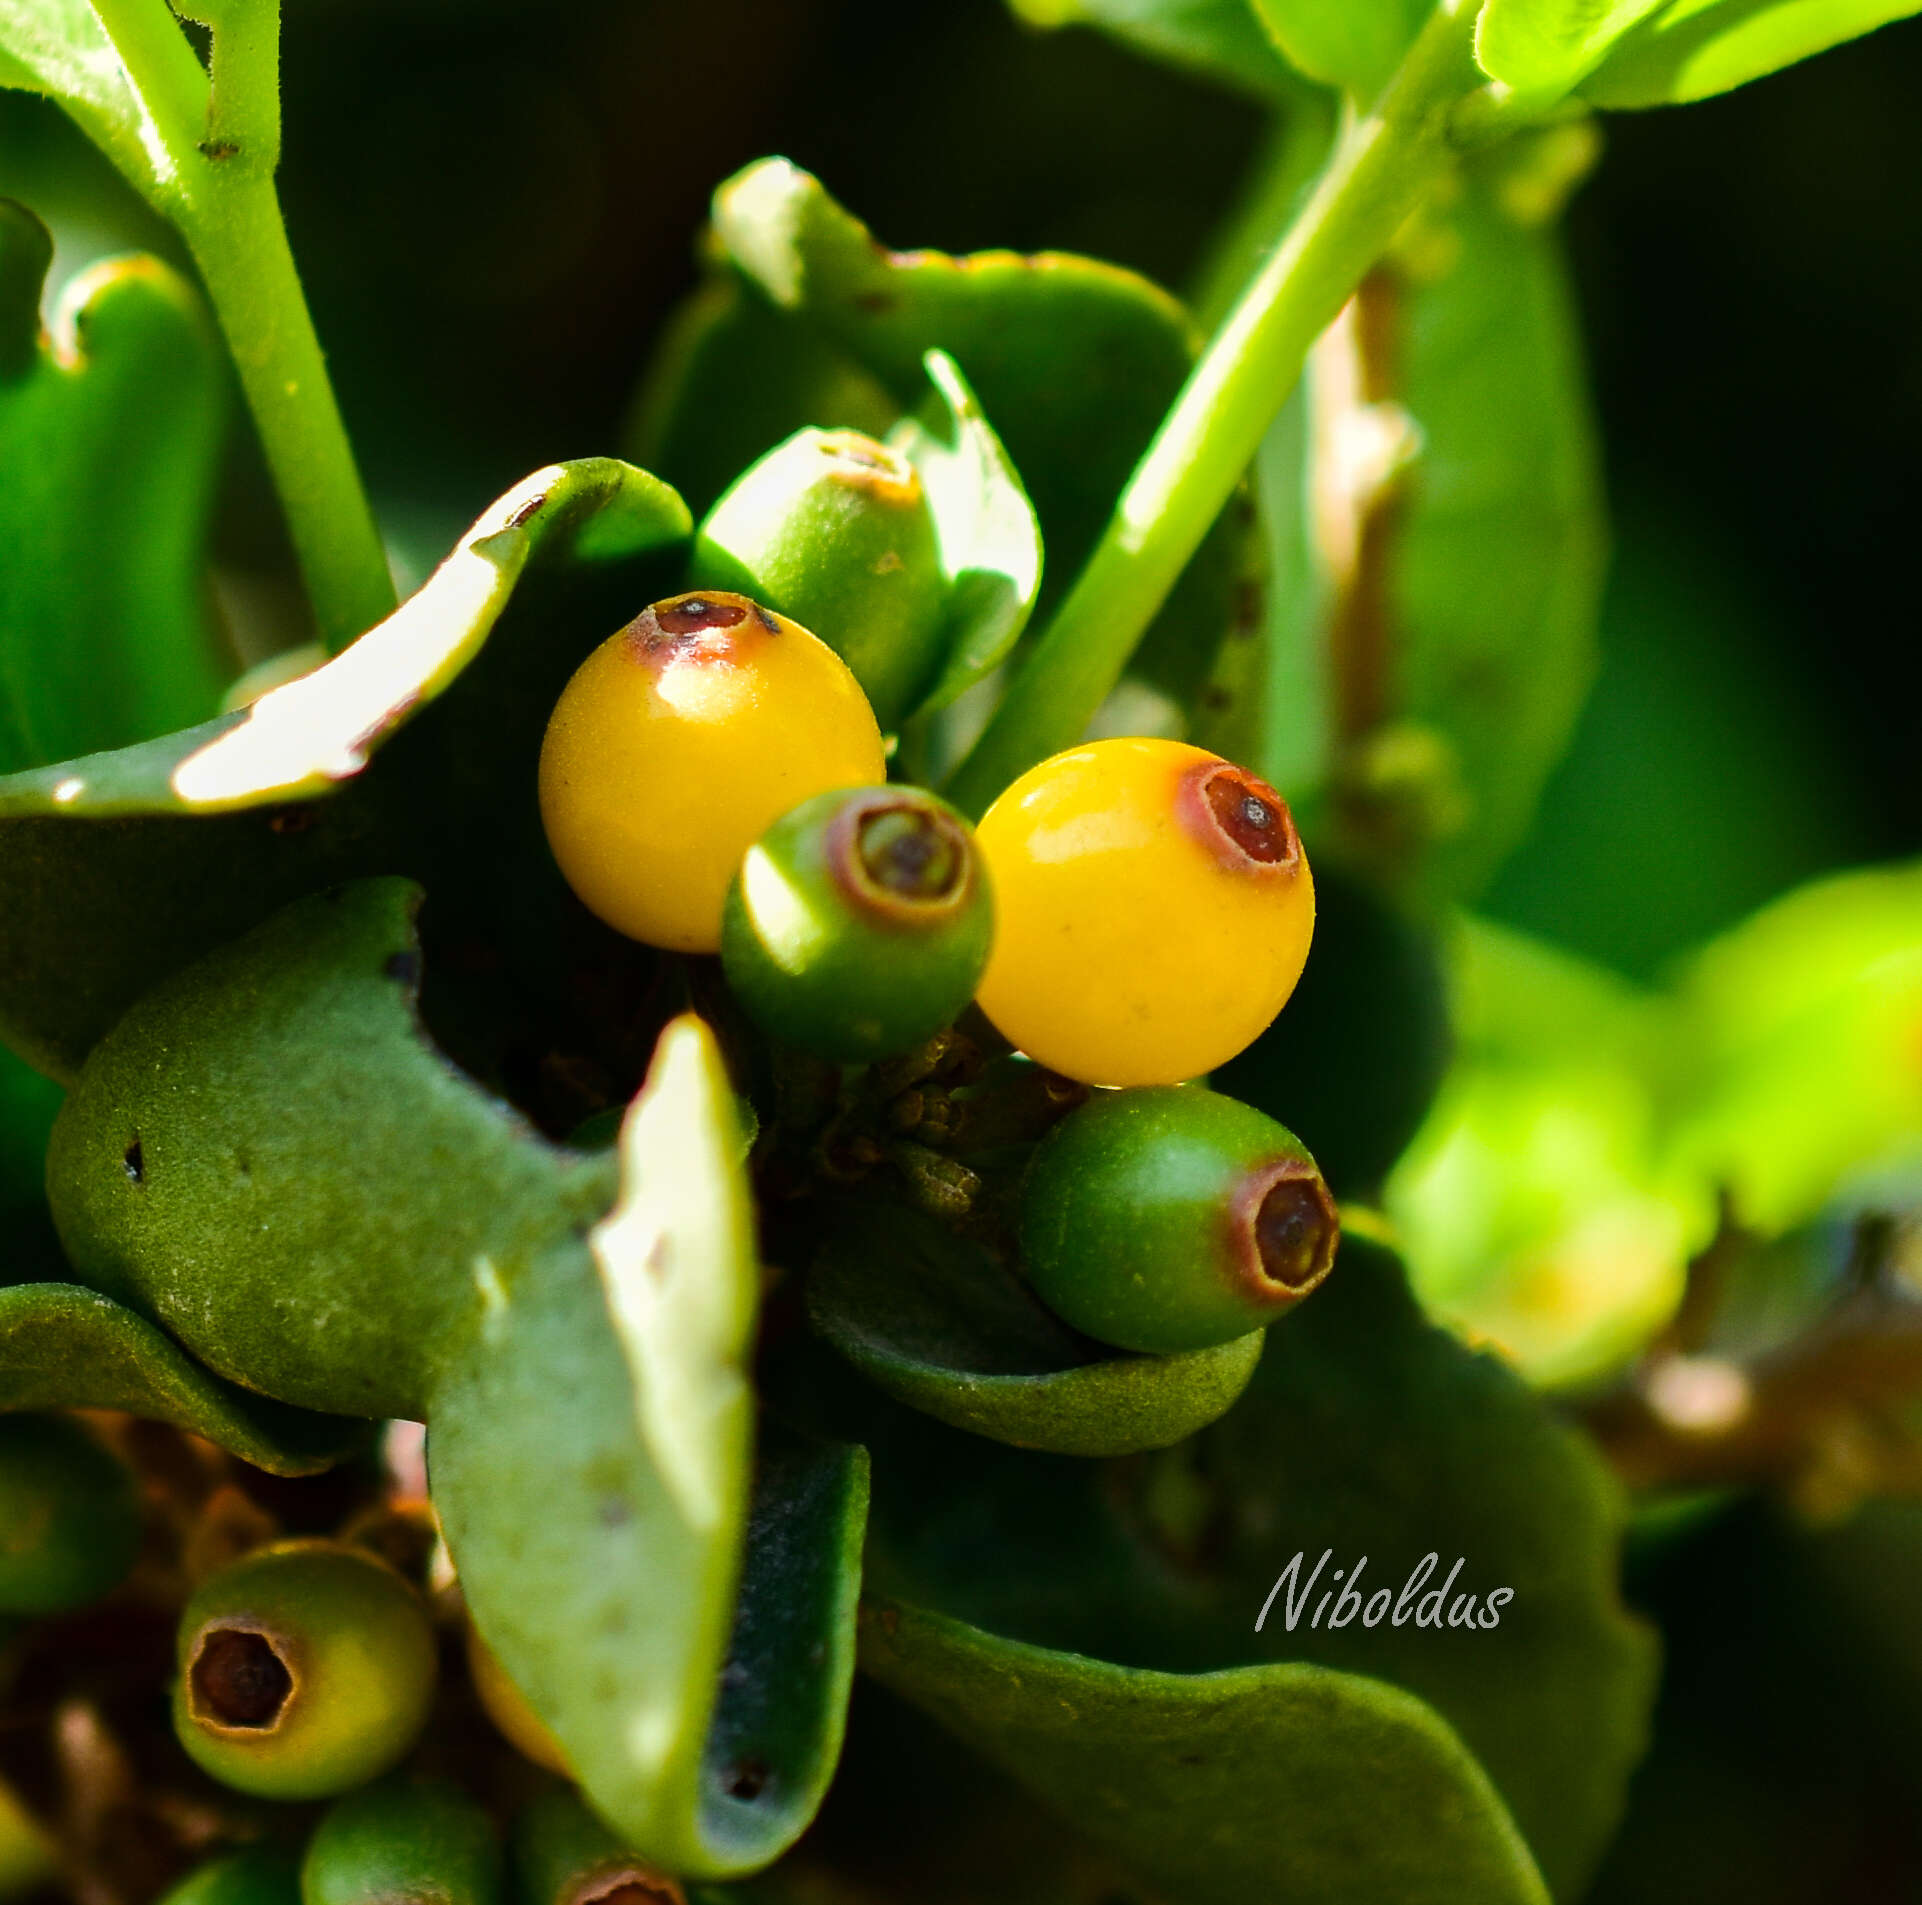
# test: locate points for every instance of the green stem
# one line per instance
(1380, 171)
(221, 197)
(241, 248)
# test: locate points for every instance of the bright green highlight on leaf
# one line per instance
(1352, 44)
(1693, 49)
(1217, 38)
(1537, 1206)
(1541, 48)
(1230, 1788)
(110, 434)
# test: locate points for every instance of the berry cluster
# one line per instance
(1131, 913)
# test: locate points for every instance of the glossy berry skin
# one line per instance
(305, 1669)
(677, 744)
(859, 924)
(69, 1516)
(404, 1842)
(834, 529)
(261, 1875)
(1154, 909)
(1172, 1218)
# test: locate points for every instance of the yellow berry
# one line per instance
(1154, 909)
(678, 743)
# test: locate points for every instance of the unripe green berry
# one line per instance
(305, 1670)
(563, 1855)
(859, 923)
(261, 1875)
(404, 1842)
(833, 529)
(1171, 1218)
(69, 1516)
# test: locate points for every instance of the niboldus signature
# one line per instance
(1431, 1609)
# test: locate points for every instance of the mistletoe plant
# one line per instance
(883, 1294)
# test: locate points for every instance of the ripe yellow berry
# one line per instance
(1154, 909)
(678, 743)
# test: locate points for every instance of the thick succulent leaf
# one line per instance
(936, 1322)
(110, 433)
(1538, 1206)
(1692, 49)
(1422, 687)
(1541, 48)
(590, 1458)
(1218, 39)
(1802, 1025)
(268, 1158)
(1229, 1788)
(1365, 1432)
(990, 543)
(64, 1347)
(1353, 44)
(117, 869)
(1075, 362)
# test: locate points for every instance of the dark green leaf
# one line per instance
(1541, 48)
(937, 1323)
(1353, 44)
(267, 1157)
(1074, 363)
(28, 1103)
(599, 1543)
(989, 540)
(1230, 1788)
(64, 1347)
(1426, 674)
(110, 431)
(1365, 1432)
(1694, 48)
(1219, 39)
(117, 869)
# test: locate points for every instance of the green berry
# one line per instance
(834, 529)
(404, 1842)
(1171, 1218)
(305, 1670)
(69, 1516)
(859, 923)
(563, 1855)
(262, 1875)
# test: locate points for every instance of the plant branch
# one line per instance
(221, 145)
(1381, 169)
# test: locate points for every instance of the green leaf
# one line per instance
(110, 433)
(61, 49)
(28, 1103)
(1542, 48)
(1693, 49)
(1802, 1027)
(64, 1347)
(1423, 683)
(1217, 39)
(599, 1544)
(117, 869)
(937, 1323)
(1538, 1206)
(268, 1158)
(1074, 361)
(1230, 1788)
(1365, 1431)
(1353, 44)
(989, 540)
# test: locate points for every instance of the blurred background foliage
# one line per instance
(497, 210)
